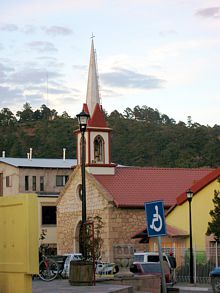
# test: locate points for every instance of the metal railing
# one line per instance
(204, 262)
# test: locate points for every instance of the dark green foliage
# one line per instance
(43, 130)
(26, 114)
(144, 137)
(214, 225)
(141, 136)
(7, 118)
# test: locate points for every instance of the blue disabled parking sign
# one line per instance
(155, 218)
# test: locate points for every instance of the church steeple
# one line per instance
(92, 96)
(97, 135)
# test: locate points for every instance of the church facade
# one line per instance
(119, 223)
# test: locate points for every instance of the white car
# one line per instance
(104, 268)
(70, 256)
(151, 257)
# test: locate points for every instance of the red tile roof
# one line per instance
(175, 232)
(133, 186)
(85, 108)
(211, 176)
(98, 118)
(171, 232)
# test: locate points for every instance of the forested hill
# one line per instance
(141, 137)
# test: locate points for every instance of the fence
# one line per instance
(204, 261)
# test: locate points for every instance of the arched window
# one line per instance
(99, 149)
(79, 191)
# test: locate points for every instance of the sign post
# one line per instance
(156, 227)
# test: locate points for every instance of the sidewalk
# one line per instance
(197, 287)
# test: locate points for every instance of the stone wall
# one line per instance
(123, 223)
(69, 212)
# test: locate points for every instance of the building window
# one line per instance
(26, 183)
(49, 215)
(34, 183)
(8, 181)
(61, 180)
(98, 149)
(41, 183)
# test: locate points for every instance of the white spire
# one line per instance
(92, 96)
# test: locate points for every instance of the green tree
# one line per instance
(7, 117)
(26, 114)
(65, 115)
(214, 225)
(37, 115)
(47, 113)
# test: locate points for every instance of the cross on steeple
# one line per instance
(92, 36)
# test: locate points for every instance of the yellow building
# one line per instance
(178, 215)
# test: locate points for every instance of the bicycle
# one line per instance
(48, 268)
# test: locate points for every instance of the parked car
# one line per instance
(215, 279)
(69, 258)
(153, 257)
(150, 256)
(151, 268)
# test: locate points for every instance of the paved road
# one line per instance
(63, 286)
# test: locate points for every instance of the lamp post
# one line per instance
(189, 195)
(82, 120)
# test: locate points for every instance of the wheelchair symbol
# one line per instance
(156, 224)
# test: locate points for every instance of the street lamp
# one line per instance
(189, 195)
(82, 120)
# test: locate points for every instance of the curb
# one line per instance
(198, 289)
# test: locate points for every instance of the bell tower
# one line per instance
(97, 135)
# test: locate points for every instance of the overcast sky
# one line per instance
(164, 54)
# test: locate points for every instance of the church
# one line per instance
(115, 193)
